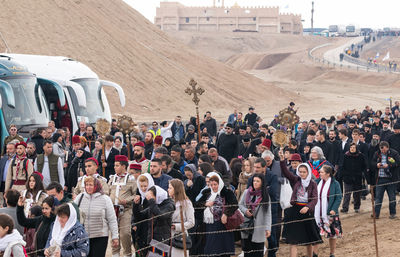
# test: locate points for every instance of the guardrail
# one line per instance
(357, 63)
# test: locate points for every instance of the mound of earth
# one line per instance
(121, 45)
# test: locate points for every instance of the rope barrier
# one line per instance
(238, 229)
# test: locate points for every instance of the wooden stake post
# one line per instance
(374, 216)
(183, 231)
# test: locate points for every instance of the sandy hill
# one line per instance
(121, 45)
(283, 60)
(383, 46)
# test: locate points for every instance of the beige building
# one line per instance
(175, 16)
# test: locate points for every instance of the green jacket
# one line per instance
(335, 195)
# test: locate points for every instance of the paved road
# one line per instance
(333, 55)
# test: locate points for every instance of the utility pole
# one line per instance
(312, 18)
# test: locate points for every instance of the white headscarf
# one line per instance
(150, 184)
(208, 217)
(161, 195)
(304, 182)
(15, 236)
(58, 233)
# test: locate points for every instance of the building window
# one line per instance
(187, 20)
(208, 18)
(254, 19)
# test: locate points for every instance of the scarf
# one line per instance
(149, 184)
(58, 233)
(208, 217)
(304, 182)
(10, 238)
(250, 194)
(18, 161)
(161, 195)
(322, 205)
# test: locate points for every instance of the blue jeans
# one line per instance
(380, 191)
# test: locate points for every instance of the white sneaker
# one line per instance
(116, 255)
(241, 254)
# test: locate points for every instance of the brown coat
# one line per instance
(242, 185)
(127, 189)
(22, 175)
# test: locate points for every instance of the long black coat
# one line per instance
(394, 142)
(354, 166)
(109, 170)
(161, 224)
(226, 194)
(228, 146)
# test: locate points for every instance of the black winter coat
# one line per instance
(73, 173)
(38, 140)
(353, 168)
(162, 224)
(394, 142)
(226, 194)
(42, 224)
(198, 184)
(228, 146)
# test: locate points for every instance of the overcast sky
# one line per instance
(365, 13)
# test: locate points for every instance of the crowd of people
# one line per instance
(173, 188)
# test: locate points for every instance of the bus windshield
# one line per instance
(26, 111)
(350, 29)
(333, 28)
(94, 109)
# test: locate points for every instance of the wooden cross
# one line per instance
(195, 91)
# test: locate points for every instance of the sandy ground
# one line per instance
(358, 235)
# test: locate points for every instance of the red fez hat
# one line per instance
(121, 158)
(76, 139)
(91, 159)
(140, 143)
(20, 143)
(38, 173)
(158, 140)
(135, 166)
(295, 157)
(267, 143)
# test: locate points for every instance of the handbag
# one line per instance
(177, 241)
(157, 248)
(235, 220)
(285, 194)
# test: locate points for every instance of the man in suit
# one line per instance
(344, 147)
(108, 158)
(5, 162)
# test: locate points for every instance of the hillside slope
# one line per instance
(121, 45)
